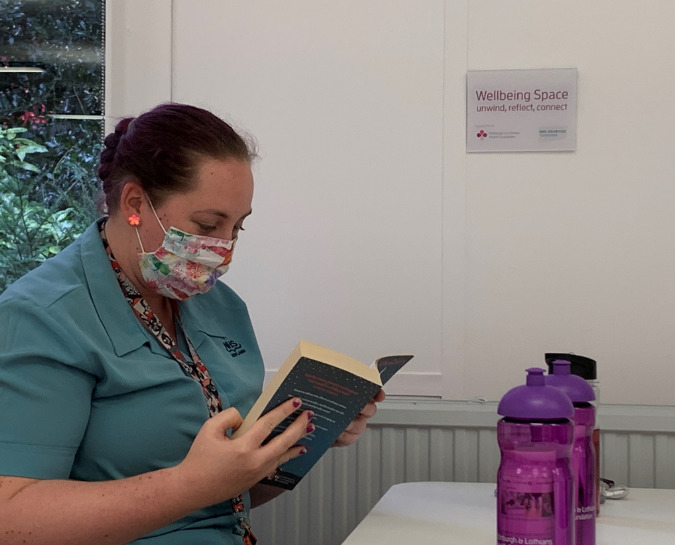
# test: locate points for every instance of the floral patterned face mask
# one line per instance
(185, 264)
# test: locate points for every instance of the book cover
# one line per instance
(334, 386)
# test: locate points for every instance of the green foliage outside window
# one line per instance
(50, 127)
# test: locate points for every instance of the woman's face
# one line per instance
(216, 207)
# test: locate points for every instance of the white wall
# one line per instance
(138, 57)
(574, 251)
(373, 230)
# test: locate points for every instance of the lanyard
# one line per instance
(194, 368)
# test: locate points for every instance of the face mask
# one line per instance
(185, 264)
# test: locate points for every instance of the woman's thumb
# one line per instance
(229, 419)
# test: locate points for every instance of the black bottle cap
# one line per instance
(582, 366)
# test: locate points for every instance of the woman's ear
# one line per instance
(132, 198)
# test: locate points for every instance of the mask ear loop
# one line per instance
(138, 236)
(155, 213)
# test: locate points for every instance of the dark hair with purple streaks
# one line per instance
(162, 148)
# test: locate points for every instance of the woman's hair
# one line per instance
(161, 149)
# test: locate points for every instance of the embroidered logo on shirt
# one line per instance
(234, 348)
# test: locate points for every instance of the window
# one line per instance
(51, 126)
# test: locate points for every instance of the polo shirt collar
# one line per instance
(123, 328)
(193, 312)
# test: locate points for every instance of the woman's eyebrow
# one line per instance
(222, 214)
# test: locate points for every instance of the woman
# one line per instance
(118, 378)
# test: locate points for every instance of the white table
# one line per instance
(465, 513)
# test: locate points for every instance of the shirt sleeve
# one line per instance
(45, 393)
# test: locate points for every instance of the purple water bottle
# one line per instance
(583, 453)
(534, 481)
(587, 369)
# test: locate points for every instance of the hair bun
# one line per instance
(110, 144)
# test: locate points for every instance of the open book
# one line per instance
(334, 386)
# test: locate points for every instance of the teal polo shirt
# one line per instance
(87, 393)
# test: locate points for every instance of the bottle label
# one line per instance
(526, 513)
(583, 464)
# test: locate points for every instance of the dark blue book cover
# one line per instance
(334, 386)
(336, 397)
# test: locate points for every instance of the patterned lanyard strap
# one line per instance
(195, 368)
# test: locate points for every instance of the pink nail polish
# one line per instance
(303, 450)
(310, 415)
(297, 403)
(310, 428)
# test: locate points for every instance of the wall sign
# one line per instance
(521, 110)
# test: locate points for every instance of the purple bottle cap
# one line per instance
(535, 400)
(575, 387)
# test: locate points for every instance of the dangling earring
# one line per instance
(134, 220)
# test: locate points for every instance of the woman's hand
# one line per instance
(358, 425)
(218, 468)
